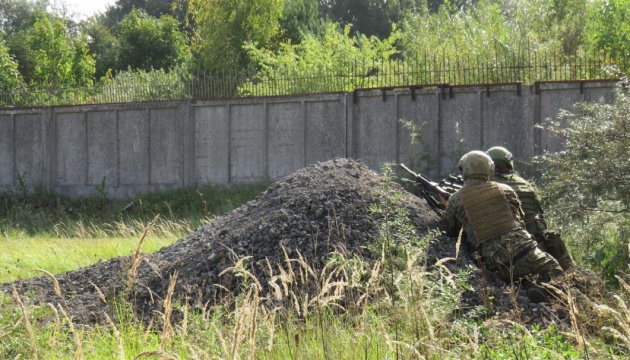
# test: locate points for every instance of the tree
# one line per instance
(609, 29)
(586, 186)
(103, 45)
(10, 77)
(14, 13)
(155, 8)
(334, 54)
(369, 17)
(59, 60)
(223, 26)
(300, 17)
(148, 43)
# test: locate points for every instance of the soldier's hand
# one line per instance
(442, 199)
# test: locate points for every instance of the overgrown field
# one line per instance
(407, 310)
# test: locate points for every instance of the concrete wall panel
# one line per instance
(71, 155)
(133, 147)
(461, 128)
(212, 144)
(144, 147)
(166, 147)
(551, 103)
(376, 129)
(507, 124)
(7, 155)
(421, 153)
(593, 94)
(248, 144)
(325, 131)
(30, 149)
(286, 138)
(102, 145)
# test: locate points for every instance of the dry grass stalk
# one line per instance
(237, 335)
(161, 353)
(253, 327)
(458, 243)
(137, 256)
(222, 341)
(119, 343)
(27, 322)
(622, 316)
(78, 353)
(167, 329)
(185, 321)
(99, 292)
(147, 333)
(52, 339)
(54, 281)
(251, 302)
(372, 285)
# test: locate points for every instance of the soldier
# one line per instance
(548, 241)
(491, 218)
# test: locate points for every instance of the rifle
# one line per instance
(427, 187)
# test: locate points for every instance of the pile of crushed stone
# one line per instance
(315, 211)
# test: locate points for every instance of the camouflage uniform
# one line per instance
(509, 251)
(548, 241)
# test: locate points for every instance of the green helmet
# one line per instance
(501, 156)
(476, 164)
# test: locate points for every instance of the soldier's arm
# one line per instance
(449, 224)
(514, 201)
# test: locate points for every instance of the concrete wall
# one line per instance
(124, 149)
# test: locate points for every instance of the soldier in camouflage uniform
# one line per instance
(491, 218)
(548, 241)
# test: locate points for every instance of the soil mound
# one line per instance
(318, 210)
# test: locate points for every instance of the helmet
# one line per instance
(476, 164)
(501, 156)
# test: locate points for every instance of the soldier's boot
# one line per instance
(536, 292)
(588, 282)
(555, 246)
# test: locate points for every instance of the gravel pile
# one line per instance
(319, 209)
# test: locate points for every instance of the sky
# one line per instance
(84, 8)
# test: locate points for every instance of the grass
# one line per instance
(58, 255)
(389, 308)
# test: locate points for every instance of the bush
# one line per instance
(587, 185)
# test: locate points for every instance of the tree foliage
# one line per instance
(592, 173)
(587, 185)
(103, 45)
(370, 17)
(323, 60)
(10, 77)
(148, 43)
(59, 58)
(223, 26)
(300, 17)
(609, 29)
(15, 13)
(496, 29)
(155, 8)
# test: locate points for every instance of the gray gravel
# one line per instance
(314, 211)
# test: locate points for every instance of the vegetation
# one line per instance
(273, 47)
(46, 215)
(587, 185)
(374, 326)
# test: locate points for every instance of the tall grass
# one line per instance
(40, 214)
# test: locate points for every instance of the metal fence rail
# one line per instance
(527, 68)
